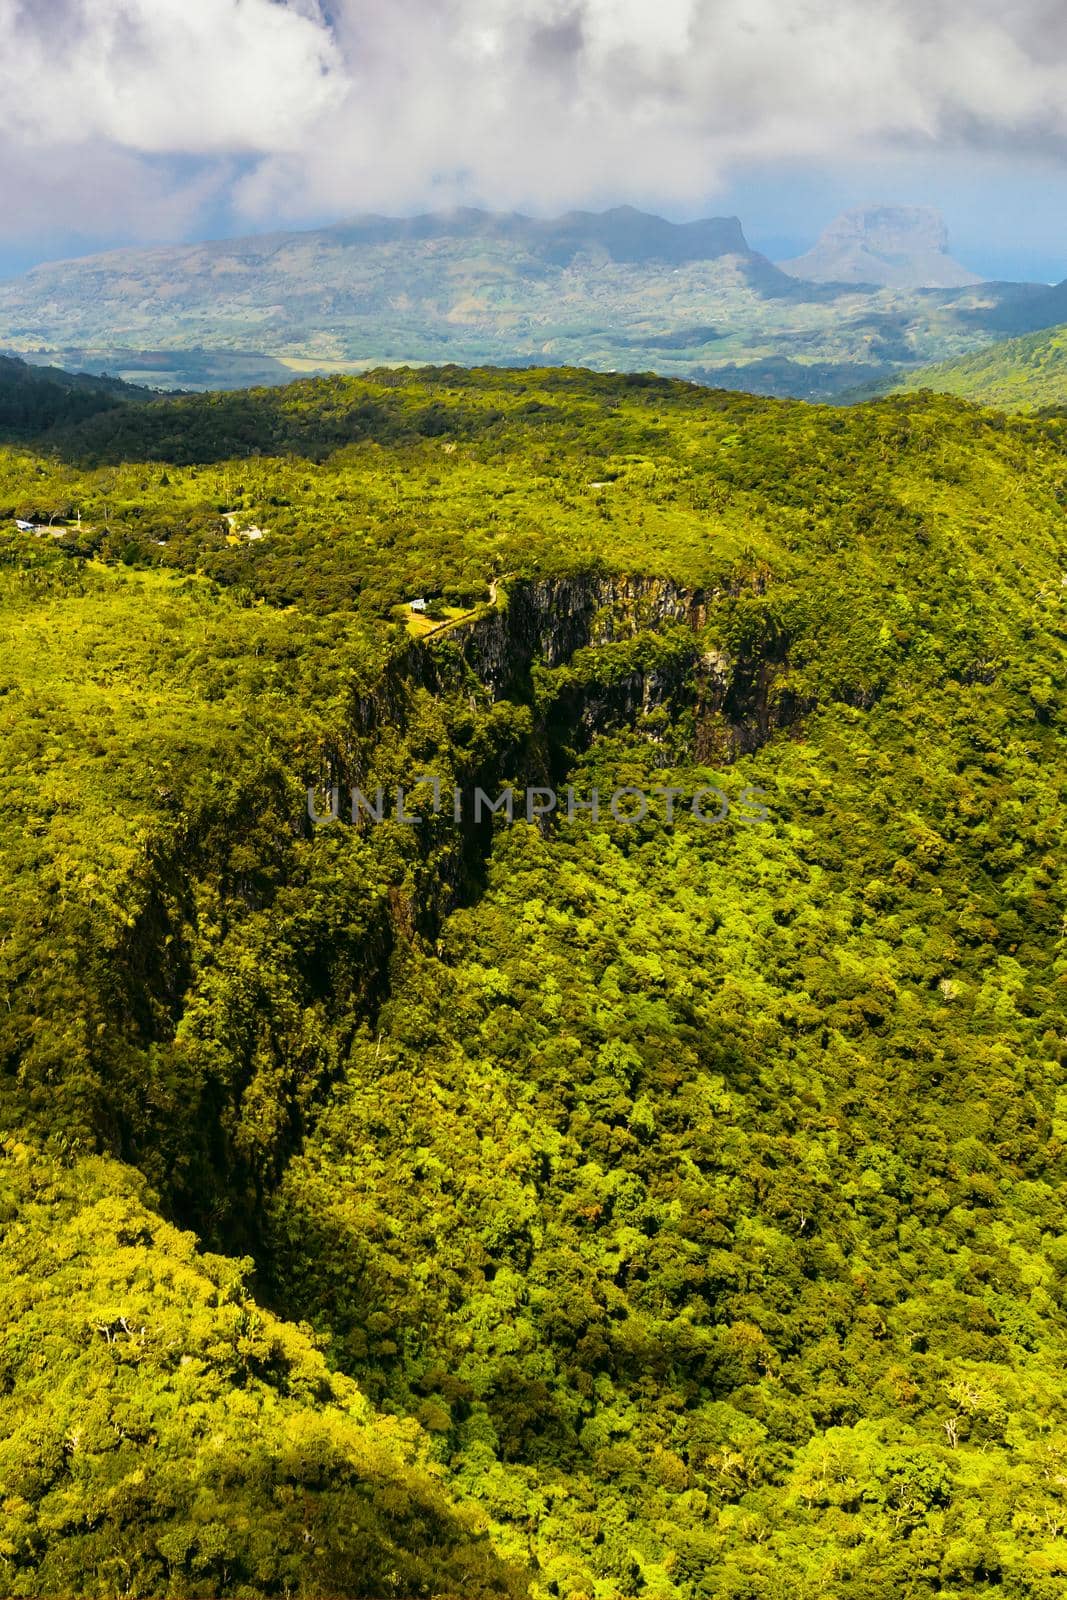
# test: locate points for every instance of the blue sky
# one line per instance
(172, 120)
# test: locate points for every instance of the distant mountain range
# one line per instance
(1042, 307)
(616, 290)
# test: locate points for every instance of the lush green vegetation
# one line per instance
(1016, 374)
(594, 1209)
(163, 1434)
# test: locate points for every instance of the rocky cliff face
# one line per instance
(549, 619)
(585, 655)
(548, 622)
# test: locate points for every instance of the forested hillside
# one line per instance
(34, 400)
(582, 1207)
(1017, 374)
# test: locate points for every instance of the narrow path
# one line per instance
(457, 622)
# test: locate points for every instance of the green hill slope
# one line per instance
(659, 1207)
(164, 1434)
(1016, 374)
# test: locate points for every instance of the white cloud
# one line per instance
(392, 104)
(155, 76)
(549, 102)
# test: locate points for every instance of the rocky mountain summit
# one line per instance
(900, 247)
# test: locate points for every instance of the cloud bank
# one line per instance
(280, 112)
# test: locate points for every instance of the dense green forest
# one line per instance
(586, 1208)
(34, 400)
(1018, 374)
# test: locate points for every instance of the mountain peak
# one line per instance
(901, 247)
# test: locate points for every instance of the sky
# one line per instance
(151, 121)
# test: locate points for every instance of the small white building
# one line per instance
(417, 605)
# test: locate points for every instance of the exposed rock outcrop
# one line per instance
(900, 247)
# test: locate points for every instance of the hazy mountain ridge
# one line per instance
(1030, 313)
(619, 290)
(622, 234)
